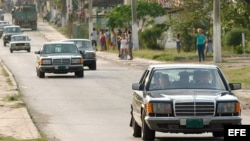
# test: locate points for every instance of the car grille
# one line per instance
(61, 61)
(194, 108)
(20, 44)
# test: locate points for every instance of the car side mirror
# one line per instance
(37, 52)
(235, 86)
(136, 86)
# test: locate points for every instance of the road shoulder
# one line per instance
(15, 120)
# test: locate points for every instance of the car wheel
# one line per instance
(93, 66)
(79, 74)
(40, 74)
(147, 133)
(4, 43)
(136, 128)
(28, 50)
(218, 134)
(11, 51)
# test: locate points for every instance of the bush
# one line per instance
(234, 37)
(239, 49)
(148, 37)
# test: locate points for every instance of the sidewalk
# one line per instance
(15, 120)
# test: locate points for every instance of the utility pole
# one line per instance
(69, 7)
(134, 26)
(216, 32)
(90, 3)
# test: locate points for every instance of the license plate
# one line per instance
(20, 46)
(194, 123)
(61, 67)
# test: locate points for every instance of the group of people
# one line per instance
(121, 40)
(125, 44)
(203, 43)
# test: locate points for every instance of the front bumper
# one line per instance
(87, 62)
(60, 69)
(179, 124)
(20, 48)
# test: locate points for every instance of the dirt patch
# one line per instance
(244, 97)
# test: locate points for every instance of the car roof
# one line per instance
(20, 35)
(182, 65)
(4, 22)
(76, 40)
(11, 26)
(58, 42)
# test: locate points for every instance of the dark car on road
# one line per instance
(183, 98)
(2, 28)
(9, 31)
(89, 53)
(59, 58)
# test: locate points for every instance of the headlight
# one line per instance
(45, 62)
(159, 108)
(228, 107)
(77, 61)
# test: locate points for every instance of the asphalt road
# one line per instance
(94, 108)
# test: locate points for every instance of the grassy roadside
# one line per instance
(11, 99)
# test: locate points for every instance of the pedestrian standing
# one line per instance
(102, 41)
(209, 44)
(178, 43)
(124, 45)
(113, 39)
(93, 37)
(118, 39)
(107, 38)
(130, 45)
(200, 43)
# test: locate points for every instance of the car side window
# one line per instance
(143, 78)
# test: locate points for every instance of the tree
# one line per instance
(120, 16)
(194, 14)
(235, 14)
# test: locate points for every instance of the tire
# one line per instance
(34, 27)
(136, 128)
(11, 51)
(218, 134)
(4, 43)
(146, 132)
(40, 74)
(28, 50)
(79, 74)
(92, 66)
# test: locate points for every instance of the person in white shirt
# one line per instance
(124, 45)
(94, 38)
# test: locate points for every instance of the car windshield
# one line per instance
(19, 38)
(59, 48)
(188, 78)
(13, 30)
(83, 44)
